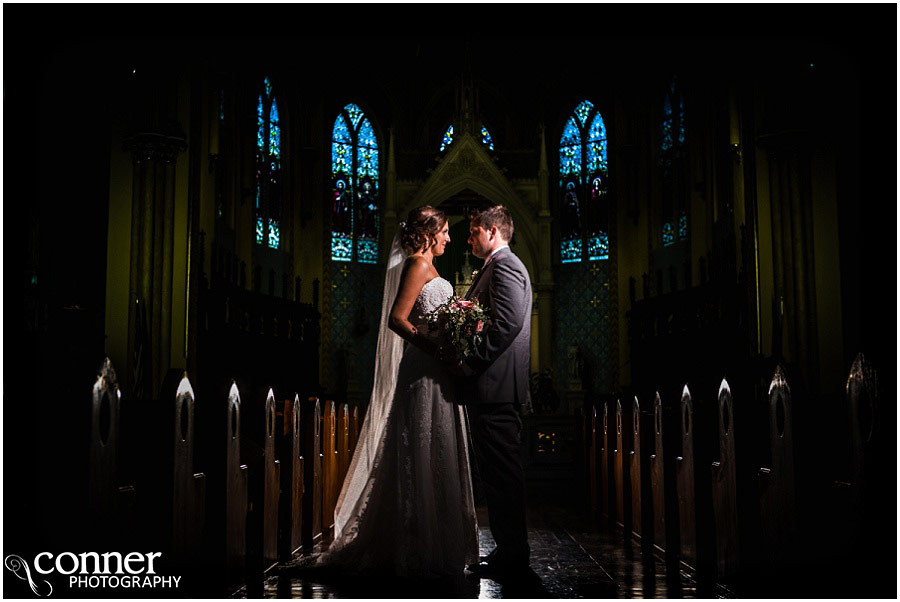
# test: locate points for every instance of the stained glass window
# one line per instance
(268, 168)
(668, 235)
(486, 138)
(671, 165)
(448, 138)
(583, 178)
(355, 164)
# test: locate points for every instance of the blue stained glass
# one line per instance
(667, 125)
(367, 251)
(259, 178)
(571, 133)
(367, 135)
(268, 85)
(274, 233)
(668, 235)
(368, 164)
(448, 138)
(221, 105)
(570, 161)
(598, 247)
(571, 250)
(259, 230)
(583, 110)
(682, 226)
(672, 135)
(261, 126)
(274, 131)
(341, 156)
(367, 154)
(341, 247)
(354, 144)
(486, 138)
(596, 148)
(355, 113)
(340, 133)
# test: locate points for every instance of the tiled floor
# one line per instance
(569, 559)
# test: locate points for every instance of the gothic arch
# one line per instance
(468, 166)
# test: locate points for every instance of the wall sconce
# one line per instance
(735, 148)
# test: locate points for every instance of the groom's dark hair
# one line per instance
(496, 215)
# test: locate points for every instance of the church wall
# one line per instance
(119, 241)
(187, 105)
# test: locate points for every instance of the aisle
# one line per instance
(570, 559)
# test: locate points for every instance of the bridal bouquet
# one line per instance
(461, 322)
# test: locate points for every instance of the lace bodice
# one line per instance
(435, 292)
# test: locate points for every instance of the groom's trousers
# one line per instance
(496, 434)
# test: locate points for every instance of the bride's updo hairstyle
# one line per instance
(421, 227)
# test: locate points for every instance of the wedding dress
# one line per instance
(406, 507)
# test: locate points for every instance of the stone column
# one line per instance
(150, 283)
(544, 286)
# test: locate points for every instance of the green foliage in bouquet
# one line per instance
(461, 322)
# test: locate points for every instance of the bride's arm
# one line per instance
(415, 274)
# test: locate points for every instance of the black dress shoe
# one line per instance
(498, 568)
(489, 556)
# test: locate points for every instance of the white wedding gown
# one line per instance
(406, 507)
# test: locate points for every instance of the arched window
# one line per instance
(268, 169)
(486, 139)
(584, 187)
(671, 163)
(356, 213)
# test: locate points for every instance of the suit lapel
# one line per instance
(481, 272)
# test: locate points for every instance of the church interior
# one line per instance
(704, 197)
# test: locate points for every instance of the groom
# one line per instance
(495, 384)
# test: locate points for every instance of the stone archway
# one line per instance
(468, 167)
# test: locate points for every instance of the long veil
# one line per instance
(389, 351)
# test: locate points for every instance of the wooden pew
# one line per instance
(111, 504)
(236, 492)
(776, 482)
(188, 487)
(864, 419)
(606, 484)
(724, 489)
(291, 504)
(271, 485)
(621, 474)
(634, 471)
(329, 466)
(342, 442)
(657, 477)
(591, 443)
(686, 483)
(312, 474)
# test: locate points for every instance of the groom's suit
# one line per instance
(496, 385)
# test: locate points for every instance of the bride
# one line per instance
(406, 505)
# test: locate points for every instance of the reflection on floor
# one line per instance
(570, 559)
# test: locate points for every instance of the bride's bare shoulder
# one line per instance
(419, 266)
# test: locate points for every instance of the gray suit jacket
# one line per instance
(501, 364)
